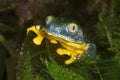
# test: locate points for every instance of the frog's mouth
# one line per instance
(60, 37)
(55, 38)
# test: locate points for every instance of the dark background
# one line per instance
(100, 20)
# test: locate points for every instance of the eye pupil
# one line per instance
(73, 28)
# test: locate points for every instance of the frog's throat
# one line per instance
(38, 39)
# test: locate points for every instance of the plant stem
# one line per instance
(101, 78)
(108, 36)
(6, 45)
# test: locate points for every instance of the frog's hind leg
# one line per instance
(91, 50)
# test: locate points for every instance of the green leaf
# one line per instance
(61, 73)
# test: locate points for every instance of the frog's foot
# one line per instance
(72, 54)
(36, 29)
(62, 51)
(37, 40)
(71, 60)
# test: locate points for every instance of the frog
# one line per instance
(68, 34)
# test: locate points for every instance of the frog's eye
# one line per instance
(48, 19)
(72, 27)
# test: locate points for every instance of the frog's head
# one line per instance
(64, 29)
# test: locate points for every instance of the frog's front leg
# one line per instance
(36, 29)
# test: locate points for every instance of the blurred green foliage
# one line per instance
(61, 73)
(27, 71)
(100, 19)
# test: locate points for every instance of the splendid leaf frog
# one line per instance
(67, 33)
